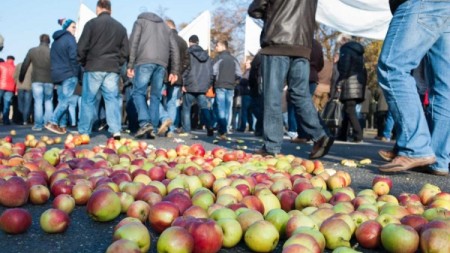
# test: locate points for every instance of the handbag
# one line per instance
(332, 113)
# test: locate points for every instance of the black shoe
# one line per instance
(209, 132)
(103, 125)
(147, 128)
(116, 136)
(321, 147)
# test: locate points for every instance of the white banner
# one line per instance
(84, 16)
(200, 26)
(252, 34)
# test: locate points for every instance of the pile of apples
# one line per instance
(201, 201)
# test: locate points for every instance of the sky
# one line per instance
(22, 25)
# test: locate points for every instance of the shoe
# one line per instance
(102, 125)
(384, 139)
(292, 135)
(299, 140)
(36, 128)
(169, 135)
(402, 163)
(209, 132)
(164, 126)
(437, 172)
(147, 128)
(63, 129)
(53, 128)
(387, 155)
(264, 152)
(222, 137)
(116, 136)
(321, 147)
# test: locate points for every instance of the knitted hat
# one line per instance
(65, 22)
(193, 39)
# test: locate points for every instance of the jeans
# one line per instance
(65, 91)
(418, 28)
(43, 98)
(246, 113)
(388, 126)
(131, 112)
(276, 70)
(145, 74)
(74, 102)
(350, 116)
(168, 110)
(203, 104)
(7, 98)
(107, 83)
(25, 98)
(224, 102)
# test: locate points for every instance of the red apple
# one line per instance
(175, 239)
(180, 200)
(14, 192)
(197, 149)
(104, 205)
(15, 220)
(64, 202)
(54, 221)
(139, 209)
(435, 240)
(39, 194)
(415, 221)
(368, 234)
(162, 214)
(208, 236)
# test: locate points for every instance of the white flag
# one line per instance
(200, 26)
(83, 17)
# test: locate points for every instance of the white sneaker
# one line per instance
(292, 135)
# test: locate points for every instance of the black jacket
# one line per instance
(352, 73)
(63, 56)
(103, 45)
(394, 4)
(197, 78)
(288, 26)
(316, 62)
(254, 77)
(40, 58)
(183, 57)
(227, 71)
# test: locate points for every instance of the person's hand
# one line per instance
(130, 73)
(183, 89)
(173, 78)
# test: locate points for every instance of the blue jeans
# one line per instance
(43, 98)
(388, 126)
(418, 28)
(246, 113)
(224, 101)
(7, 98)
(203, 104)
(169, 108)
(25, 98)
(145, 74)
(276, 70)
(108, 84)
(65, 91)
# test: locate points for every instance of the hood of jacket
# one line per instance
(58, 34)
(355, 47)
(150, 17)
(198, 52)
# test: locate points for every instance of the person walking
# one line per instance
(102, 49)
(41, 81)
(152, 47)
(65, 71)
(418, 28)
(7, 86)
(197, 79)
(286, 42)
(227, 73)
(24, 95)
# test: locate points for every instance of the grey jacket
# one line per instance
(152, 41)
(40, 58)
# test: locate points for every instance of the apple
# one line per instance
(196, 212)
(52, 156)
(309, 197)
(232, 232)
(415, 221)
(64, 202)
(427, 193)
(15, 220)
(336, 232)
(175, 239)
(197, 149)
(436, 213)
(254, 203)
(399, 238)
(162, 214)
(320, 215)
(395, 211)
(279, 218)
(268, 199)
(207, 234)
(297, 221)
(345, 250)
(386, 219)
(435, 240)
(248, 217)
(104, 205)
(135, 232)
(305, 240)
(358, 217)
(125, 201)
(14, 192)
(287, 199)
(261, 236)
(320, 239)
(181, 200)
(368, 234)
(381, 185)
(81, 193)
(157, 173)
(336, 182)
(39, 194)
(139, 209)
(123, 245)
(54, 221)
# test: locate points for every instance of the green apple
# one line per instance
(262, 236)
(175, 240)
(123, 245)
(203, 199)
(52, 156)
(399, 238)
(279, 218)
(320, 239)
(269, 200)
(248, 217)
(336, 233)
(223, 213)
(136, 232)
(232, 232)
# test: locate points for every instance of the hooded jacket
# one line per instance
(40, 58)
(103, 45)
(352, 73)
(152, 42)
(63, 57)
(198, 77)
(7, 81)
(288, 26)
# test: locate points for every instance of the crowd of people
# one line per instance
(155, 83)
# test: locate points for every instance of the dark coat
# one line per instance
(316, 62)
(254, 77)
(63, 57)
(288, 26)
(227, 71)
(183, 57)
(352, 73)
(197, 78)
(40, 58)
(103, 45)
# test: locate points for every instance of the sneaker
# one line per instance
(164, 126)
(53, 128)
(34, 128)
(116, 136)
(209, 132)
(63, 129)
(222, 137)
(264, 152)
(384, 139)
(147, 128)
(292, 135)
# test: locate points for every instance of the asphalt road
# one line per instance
(86, 235)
